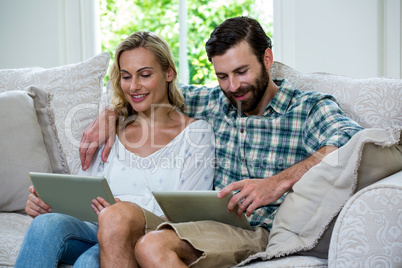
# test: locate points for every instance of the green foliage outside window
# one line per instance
(120, 18)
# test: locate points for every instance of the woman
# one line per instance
(156, 148)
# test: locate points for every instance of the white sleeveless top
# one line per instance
(185, 163)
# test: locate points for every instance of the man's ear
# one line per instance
(268, 58)
(170, 74)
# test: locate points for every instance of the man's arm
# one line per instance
(255, 193)
(102, 129)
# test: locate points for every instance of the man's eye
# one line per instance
(242, 72)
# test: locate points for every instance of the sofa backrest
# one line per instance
(371, 102)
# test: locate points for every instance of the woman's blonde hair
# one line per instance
(164, 56)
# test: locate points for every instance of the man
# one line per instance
(268, 135)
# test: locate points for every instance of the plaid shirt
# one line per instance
(293, 126)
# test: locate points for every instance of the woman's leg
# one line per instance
(53, 238)
(89, 259)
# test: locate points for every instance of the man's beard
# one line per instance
(257, 90)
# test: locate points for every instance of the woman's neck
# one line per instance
(159, 116)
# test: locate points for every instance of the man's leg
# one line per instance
(165, 247)
(199, 244)
(120, 227)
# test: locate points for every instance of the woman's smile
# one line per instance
(139, 97)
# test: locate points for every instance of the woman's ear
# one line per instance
(170, 75)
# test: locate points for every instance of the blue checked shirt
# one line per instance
(293, 126)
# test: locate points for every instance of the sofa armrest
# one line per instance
(368, 231)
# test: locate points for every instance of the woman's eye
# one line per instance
(125, 77)
(145, 75)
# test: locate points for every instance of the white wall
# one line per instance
(22, 43)
(47, 33)
(358, 38)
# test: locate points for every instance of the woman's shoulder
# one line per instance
(199, 128)
(197, 123)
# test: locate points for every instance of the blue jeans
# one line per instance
(57, 238)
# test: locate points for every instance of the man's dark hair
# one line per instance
(233, 31)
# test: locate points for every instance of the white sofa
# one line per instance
(357, 226)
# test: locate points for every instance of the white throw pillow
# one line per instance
(76, 93)
(22, 145)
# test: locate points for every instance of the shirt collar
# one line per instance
(282, 98)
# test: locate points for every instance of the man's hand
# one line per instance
(102, 129)
(36, 206)
(99, 204)
(255, 193)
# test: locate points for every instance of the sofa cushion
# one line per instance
(305, 219)
(25, 125)
(76, 93)
(12, 232)
(371, 102)
(367, 232)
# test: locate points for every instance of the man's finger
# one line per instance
(241, 208)
(230, 188)
(84, 143)
(88, 156)
(108, 147)
(237, 200)
(251, 208)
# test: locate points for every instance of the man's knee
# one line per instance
(164, 246)
(120, 220)
(149, 247)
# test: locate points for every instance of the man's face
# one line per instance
(243, 79)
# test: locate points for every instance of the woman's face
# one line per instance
(143, 82)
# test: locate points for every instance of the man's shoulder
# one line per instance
(312, 97)
(200, 101)
(200, 89)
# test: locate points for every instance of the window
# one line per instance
(185, 25)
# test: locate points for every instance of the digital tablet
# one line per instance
(185, 206)
(71, 194)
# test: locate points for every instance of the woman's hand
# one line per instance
(36, 206)
(99, 204)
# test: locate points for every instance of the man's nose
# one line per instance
(234, 84)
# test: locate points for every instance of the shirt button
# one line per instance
(243, 160)
(241, 130)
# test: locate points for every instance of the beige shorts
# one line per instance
(222, 245)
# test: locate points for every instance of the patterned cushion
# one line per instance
(291, 261)
(368, 232)
(75, 96)
(12, 231)
(372, 102)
